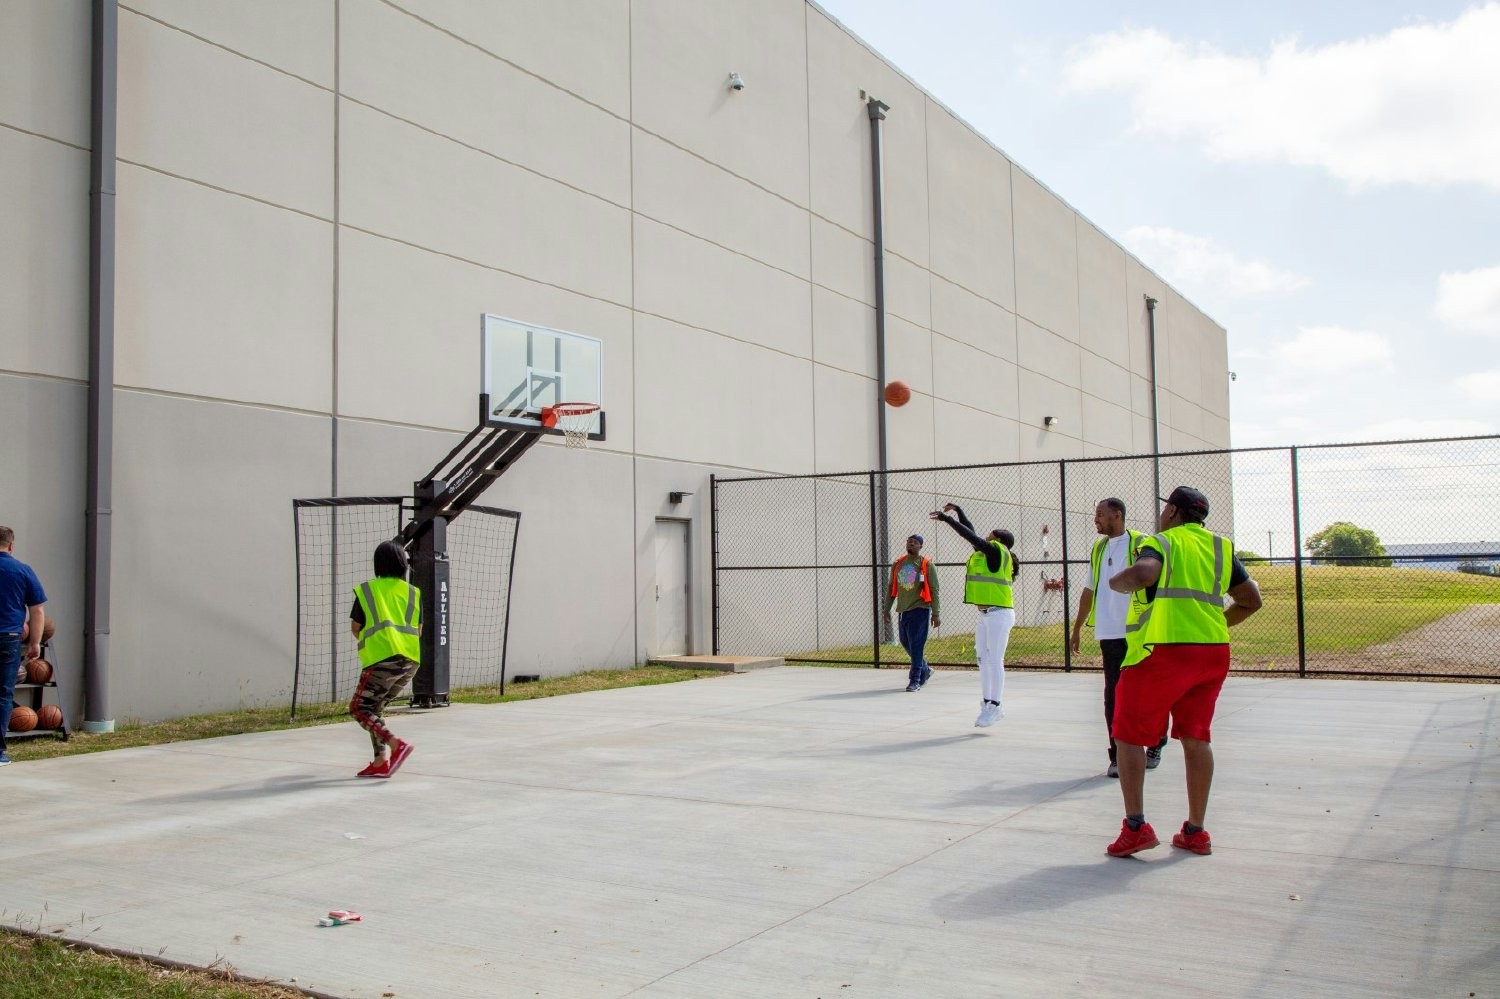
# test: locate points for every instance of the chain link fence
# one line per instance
(1377, 559)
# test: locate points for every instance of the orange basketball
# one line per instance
(49, 717)
(49, 628)
(22, 719)
(897, 393)
(38, 671)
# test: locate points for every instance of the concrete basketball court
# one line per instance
(793, 832)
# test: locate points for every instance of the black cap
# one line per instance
(1188, 500)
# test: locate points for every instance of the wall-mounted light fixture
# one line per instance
(675, 496)
(736, 82)
(1049, 422)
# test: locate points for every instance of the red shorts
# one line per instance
(1182, 681)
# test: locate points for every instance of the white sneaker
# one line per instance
(988, 715)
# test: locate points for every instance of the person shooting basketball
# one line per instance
(987, 585)
(387, 623)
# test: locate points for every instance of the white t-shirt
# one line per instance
(1110, 607)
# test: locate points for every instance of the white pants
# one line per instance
(991, 636)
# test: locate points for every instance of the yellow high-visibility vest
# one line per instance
(393, 619)
(1189, 603)
(990, 589)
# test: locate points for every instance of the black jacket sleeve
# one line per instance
(966, 531)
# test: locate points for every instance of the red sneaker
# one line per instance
(376, 769)
(1197, 842)
(1133, 841)
(400, 750)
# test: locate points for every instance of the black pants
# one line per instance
(1114, 654)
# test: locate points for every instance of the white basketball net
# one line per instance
(575, 420)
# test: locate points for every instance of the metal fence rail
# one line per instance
(800, 563)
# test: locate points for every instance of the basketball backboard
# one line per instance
(527, 367)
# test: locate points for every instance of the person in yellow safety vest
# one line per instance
(1104, 610)
(387, 623)
(914, 592)
(988, 580)
(1176, 661)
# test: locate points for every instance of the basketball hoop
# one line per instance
(575, 419)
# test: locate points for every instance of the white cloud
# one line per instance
(1470, 300)
(1416, 105)
(1327, 349)
(1482, 386)
(1204, 269)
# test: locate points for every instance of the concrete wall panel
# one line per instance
(203, 585)
(401, 182)
(207, 114)
(756, 418)
(218, 295)
(682, 54)
(1046, 257)
(44, 265)
(683, 191)
(690, 281)
(422, 74)
(969, 204)
(44, 68)
(581, 47)
(294, 36)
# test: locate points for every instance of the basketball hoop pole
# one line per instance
(429, 572)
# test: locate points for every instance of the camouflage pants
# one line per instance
(379, 684)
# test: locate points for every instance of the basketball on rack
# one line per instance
(22, 719)
(897, 393)
(38, 671)
(49, 717)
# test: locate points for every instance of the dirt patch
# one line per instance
(1465, 642)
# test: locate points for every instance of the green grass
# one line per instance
(1348, 609)
(39, 968)
(272, 719)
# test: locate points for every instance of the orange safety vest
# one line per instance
(922, 574)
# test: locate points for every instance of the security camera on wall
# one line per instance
(736, 82)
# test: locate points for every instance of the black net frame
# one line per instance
(334, 541)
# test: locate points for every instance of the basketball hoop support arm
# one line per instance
(453, 485)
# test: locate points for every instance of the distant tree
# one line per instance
(1246, 555)
(1343, 543)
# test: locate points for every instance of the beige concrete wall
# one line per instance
(318, 198)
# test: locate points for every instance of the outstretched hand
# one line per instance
(950, 508)
(935, 515)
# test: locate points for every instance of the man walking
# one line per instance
(914, 591)
(987, 585)
(1104, 610)
(1176, 661)
(21, 600)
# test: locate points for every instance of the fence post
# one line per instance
(875, 631)
(1062, 489)
(713, 570)
(1297, 550)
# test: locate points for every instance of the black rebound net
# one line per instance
(336, 540)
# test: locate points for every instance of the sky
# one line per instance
(1322, 179)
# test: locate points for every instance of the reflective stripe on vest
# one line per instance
(1189, 603)
(987, 589)
(392, 609)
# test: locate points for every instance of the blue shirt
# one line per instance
(19, 589)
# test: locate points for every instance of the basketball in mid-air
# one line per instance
(897, 393)
(22, 719)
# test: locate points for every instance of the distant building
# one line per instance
(1446, 556)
